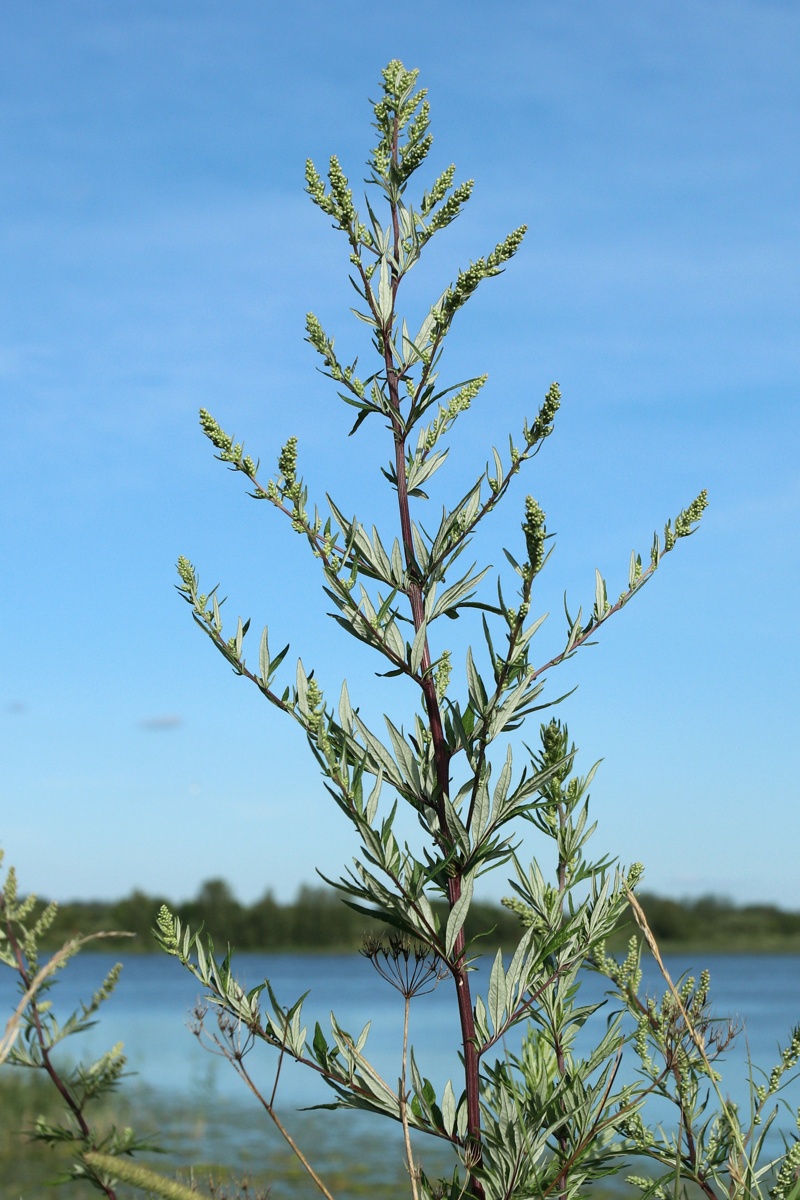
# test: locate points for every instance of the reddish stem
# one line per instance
(441, 750)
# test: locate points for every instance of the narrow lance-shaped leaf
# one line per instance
(477, 691)
(345, 708)
(497, 992)
(384, 291)
(458, 914)
(449, 1108)
(302, 689)
(450, 598)
(374, 796)
(263, 657)
(600, 597)
(418, 648)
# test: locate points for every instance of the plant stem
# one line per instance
(440, 748)
(284, 1132)
(562, 1137)
(442, 763)
(412, 1170)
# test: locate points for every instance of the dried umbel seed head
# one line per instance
(410, 967)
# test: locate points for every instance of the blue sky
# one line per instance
(159, 254)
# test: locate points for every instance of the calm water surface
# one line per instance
(152, 1008)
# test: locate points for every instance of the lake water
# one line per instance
(152, 1007)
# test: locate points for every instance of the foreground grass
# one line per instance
(226, 1150)
(219, 1147)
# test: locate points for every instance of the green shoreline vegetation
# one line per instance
(219, 1146)
(318, 921)
(224, 1148)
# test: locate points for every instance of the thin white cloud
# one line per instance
(156, 724)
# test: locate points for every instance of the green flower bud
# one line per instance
(213, 432)
(543, 425)
(343, 195)
(691, 515)
(534, 529)
(635, 873)
(442, 674)
(287, 463)
(187, 573)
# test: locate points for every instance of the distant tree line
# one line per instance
(319, 920)
(719, 924)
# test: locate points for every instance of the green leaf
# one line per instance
(420, 471)
(374, 796)
(263, 658)
(302, 689)
(575, 631)
(418, 648)
(513, 562)
(503, 784)
(600, 596)
(457, 592)
(496, 479)
(394, 640)
(424, 1103)
(498, 997)
(421, 551)
(455, 827)
(480, 812)
(380, 558)
(361, 1041)
(458, 913)
(449, 1108)
(404, 756)
(345, 709)
(384, 304)
(477, 691)
(320, 1045)
(201, 960)
(513, 708)
(378, 753)
(398, 569)
(481, 1028)
(516, 977)
(239, 637)
(462, 1116)
(367, 318)
(423, 337)
(634, 570)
